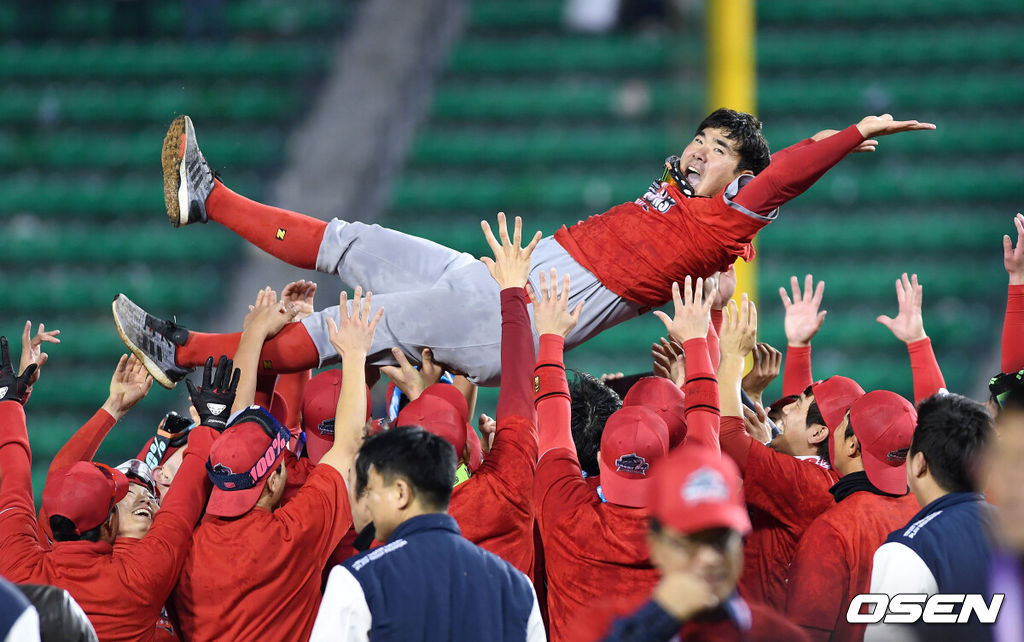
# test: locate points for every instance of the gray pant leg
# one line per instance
(459, 320)
(384, 260)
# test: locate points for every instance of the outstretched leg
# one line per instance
(377, 258)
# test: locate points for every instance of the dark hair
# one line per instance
(592, 403)
(745, 129)
(952, 432)
(64, 529)
(426, 461)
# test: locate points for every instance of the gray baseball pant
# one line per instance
(434, 297)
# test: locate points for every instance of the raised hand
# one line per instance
(354, 335)
(551, 308)
(510, 266)
(128, 385)
(725, 287)
(407, 378)
(13, 387)
(212, 401)
(268, 315)
(299, 296)
(669, 361)
(908, 326)
(884, 125)
(739, 328)
(803, 320)
(692, 312)
(488, 428)
(767, 365)
(1013, 257)
(31, 348)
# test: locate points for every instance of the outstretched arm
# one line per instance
(908, 327)
(1013, 324)
(794, 169)
(802, 322)
(264, 320)
(739, 334)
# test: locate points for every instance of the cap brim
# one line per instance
(634, 492)
(720, 516)
(121, 482)
(316, 446)
(886, 478)
(476, 452)
(232, 503)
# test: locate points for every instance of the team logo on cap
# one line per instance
(705, 485)
(897, 457)
(632, 463)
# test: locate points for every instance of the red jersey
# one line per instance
(264, 567)
(494, 507)
(834, 558)
(122, 590)
(166, 630)
(638, 249)
(740, 621)
(784, 495)
(1012, 355)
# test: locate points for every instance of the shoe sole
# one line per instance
(151, 367)
(172, 160)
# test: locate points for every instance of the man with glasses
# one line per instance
(121, 588)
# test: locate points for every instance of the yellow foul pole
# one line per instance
(732, 81)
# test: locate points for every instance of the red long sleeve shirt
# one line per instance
(494, 508)
(121, 590)
(784, 495)
(638, 249)
(264, 568)
(591, 549)
(924, 367)
(1013, 330)
(833, 562)
(700, 396)
(82, 446)
(796, 375)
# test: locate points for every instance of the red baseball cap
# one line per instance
(634, 439)
(884, 424)
(454, 396)
(279, 407)
(319, 408)
(666, 400)
(697, 489)
(84, 492)
(436, 415)
(242, 459)
(834, 397)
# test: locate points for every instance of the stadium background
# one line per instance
(427, 116)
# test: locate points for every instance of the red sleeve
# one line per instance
(292, 387)
(716, 320)
(793, 491)
(925, 369)
(700, 396)
(735, 441)
(794, 169)
(517, 356)
(1013, 330)
(319, 515)
(551, 394)
(796, 374)
(713, 346)
(81, 447)
(559, 486)
(818, 577)
(20, 550)
(264, 394)
(155, 562)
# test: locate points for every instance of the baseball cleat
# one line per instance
(188, 180)
(153, 341)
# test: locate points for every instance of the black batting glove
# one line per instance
(213, 400)
(13, 387)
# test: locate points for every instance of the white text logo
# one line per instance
(908, 608)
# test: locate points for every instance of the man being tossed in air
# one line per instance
(622, 262)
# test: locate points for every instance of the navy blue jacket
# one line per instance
(428, 583)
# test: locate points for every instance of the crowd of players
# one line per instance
(637, 508)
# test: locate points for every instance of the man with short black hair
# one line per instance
(946, 547)
(705, 211)
(426, 577)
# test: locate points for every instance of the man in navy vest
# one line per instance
(946, 547)
(426, 582)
